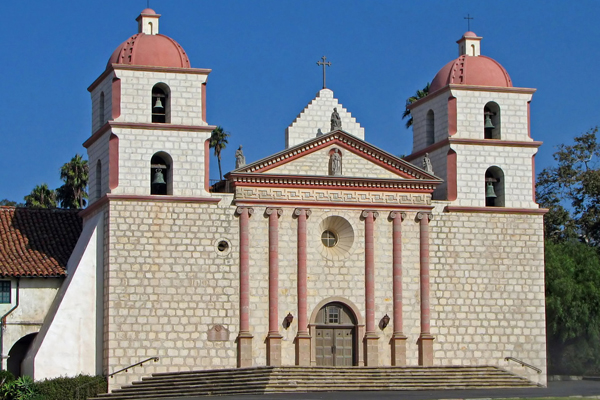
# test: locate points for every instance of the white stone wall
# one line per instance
(317, 163)
(439, 106)
(185, 96)
(317, 116)
(439, 163)
(515, 162)
(99, 151)
(104, 87)
(136, 148)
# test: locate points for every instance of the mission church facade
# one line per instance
(331, 252)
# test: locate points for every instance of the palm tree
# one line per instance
(417, 96)
(41, 197)
(75, 175)
(218, 141)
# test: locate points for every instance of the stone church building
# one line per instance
(331, 252)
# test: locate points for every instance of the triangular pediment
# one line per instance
(359, 160)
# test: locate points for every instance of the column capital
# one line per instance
(365, 213)
(300, 211)
(398, 214)
(240, 210)
(423, 214)
(271, 210)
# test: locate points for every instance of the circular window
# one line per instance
(329, 238)
(223, 246)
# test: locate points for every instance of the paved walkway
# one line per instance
(554, 389)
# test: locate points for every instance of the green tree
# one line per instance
(7, 202)
(571, 191)
(417, 96)
(218, 141)
(41, 197)
(75, 175)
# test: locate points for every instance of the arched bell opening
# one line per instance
(161, 174)
(494, 187)
(491, 121)
(161, 104)
(430, 128)
(101, 110)
(17, 354)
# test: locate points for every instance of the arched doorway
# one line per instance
(335, 336)
(18, 352)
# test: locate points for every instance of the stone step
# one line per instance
(261, 380)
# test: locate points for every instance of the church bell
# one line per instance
(489, 190)
(159, 179)
(158, 103)
(488, 121)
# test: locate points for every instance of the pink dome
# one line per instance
(151, 50)
(469, 70)
(467, 34)
(148, 11)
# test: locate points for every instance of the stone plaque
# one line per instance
(218, 333)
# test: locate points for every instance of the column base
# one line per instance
(426, 350)
(371, 350)
(244, 350)
(398, 343)
(303, 349)
(274, 349)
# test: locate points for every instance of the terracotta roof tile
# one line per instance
(37, 242)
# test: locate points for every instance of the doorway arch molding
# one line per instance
(360, 327)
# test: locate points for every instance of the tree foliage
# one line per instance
(419, 94)
(41, 197)
(218, 142)
(571, 190)
(75, 174)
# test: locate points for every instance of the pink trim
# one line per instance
(533, 178)
(451, 178)
(273, 269)
(204, 102)
(244, 271)
(169, 199)
(424, 272)
(476, 142)
(452, 116)
(332, 204)
(302, 273)
(497, 210)
(369, 272)
(93, 207)
(207, 165)
(397, 218)
(116, 98)
(113, 162)
(529, 118)
(155, 127)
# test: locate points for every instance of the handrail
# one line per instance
(155, 359)
(523, 363)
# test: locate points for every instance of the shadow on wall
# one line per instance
(17, 353)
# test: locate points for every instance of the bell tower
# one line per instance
(474, 126)
(149, 129)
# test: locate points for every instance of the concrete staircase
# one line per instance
(261, 380)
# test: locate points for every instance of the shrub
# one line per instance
(5, 377)
(22, 388)
(77, 388)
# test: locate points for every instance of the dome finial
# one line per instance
(148, 22)
(469, 44)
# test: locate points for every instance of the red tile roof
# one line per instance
(37, 242)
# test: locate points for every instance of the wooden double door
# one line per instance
(335, 343)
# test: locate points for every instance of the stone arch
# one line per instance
(494, 179)
(161, 164)
(492, 121)
(17, 353)
(161, 103)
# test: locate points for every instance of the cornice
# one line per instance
(336, 205)
(472, 142)
(496, 210)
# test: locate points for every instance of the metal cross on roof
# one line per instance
(324, 64)
(469, 18)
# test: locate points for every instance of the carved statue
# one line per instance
(336, 163)
(336, 121)
(427, 164)
(240, 159)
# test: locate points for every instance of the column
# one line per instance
(425, 339)
(303, 336)
(398, 341)
(273, 337)
(244, 339)
(370, 341)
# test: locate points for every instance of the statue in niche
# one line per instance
(240, 159)
(427, 164)
(336, 121)
(335, 163)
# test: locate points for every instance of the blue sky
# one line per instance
(263, 55)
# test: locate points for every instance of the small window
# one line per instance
(333, 315)
(329, 238)
(5, 292)
(98, 179)
(101, 110)
(491, 121)
(430, 128)
(161, 110)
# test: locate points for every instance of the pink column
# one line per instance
(244, 340)
(273, 337)
(371, 337)
(303, 336)
(425, 339)
(398, 341)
